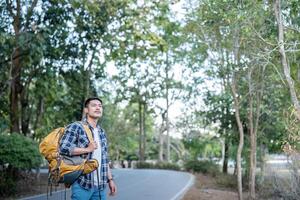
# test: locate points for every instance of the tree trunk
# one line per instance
(168, 134)
(241, 139)
(144, 129)
(167, 110)
(15, 76)
(237, 114)
(140, 133)
(14, 95)
(298, 72)
(39, 115)
(252, 139)
(25, 112)
(225, 161)
(161, 137)
(284, 61)
(161, 146)
(176, 150)
(253, 124)
(14, 10)
(235, 168)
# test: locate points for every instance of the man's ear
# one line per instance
(85, 110)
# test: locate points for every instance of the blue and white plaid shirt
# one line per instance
(75, 136)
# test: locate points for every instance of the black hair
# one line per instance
(91, 99)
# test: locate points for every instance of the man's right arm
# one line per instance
(68, 142)
(78, 151)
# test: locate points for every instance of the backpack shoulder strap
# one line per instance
(88, 132)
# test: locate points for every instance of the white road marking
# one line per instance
(183, 190)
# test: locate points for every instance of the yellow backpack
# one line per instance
(65, 169)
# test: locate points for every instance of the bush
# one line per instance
(203, 166)
(7, 185)
(226, 181)
(287, 186)
(159, 165)
(17, 153)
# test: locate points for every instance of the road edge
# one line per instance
(42, 195)
(182, 192)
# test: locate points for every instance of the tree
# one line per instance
(46, 45)
(136, 55)
(22, 31)
(284, 59)
(228, 34)
(218, 110)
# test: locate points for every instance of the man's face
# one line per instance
(94, 109)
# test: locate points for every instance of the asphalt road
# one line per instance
(141, 184)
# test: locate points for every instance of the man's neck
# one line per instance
(92, 122)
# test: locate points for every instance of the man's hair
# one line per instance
(86, 103)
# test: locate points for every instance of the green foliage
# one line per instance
(159, 165)
(121, 126)
(202, 147)
(292, 128)
(19, 152)
(203, 166)
(7, 185)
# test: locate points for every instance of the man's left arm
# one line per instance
(111, 183)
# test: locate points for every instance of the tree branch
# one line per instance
(291, 28)
(15, 57)
(29, 13)
(18, 8)
(259, 35)
(9, 8)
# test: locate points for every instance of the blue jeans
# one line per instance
(79, 193)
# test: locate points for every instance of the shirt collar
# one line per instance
(84, 120)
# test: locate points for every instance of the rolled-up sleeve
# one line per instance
(69, 140)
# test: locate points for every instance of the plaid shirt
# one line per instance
(75, 136)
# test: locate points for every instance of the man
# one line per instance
(75, 142)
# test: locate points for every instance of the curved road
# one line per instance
(142, 184)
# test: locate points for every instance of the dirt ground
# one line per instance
(223, 187)
(206, 188)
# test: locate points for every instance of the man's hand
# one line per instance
(112, 187)
(92, 146)
(78, 151)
